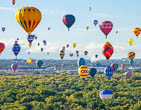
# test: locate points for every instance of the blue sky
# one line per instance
(125, 15)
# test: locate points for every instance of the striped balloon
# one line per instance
(62, 54)
(108, 71)
(131, 55)
(107, 50)
(83, 71)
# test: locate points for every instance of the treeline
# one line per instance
(69, 92)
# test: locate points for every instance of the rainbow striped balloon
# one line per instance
(131, 55)
(107, 50)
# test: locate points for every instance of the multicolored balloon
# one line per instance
(83, 71)
(105, 94)
(16, 48)
(2, 47)
(92, 72)
(68, 20)
(131, 55)
(62, 54)
(70, 54)
(28, 18)
(108, 72)
(128, 74)
(131, 62)
(39, 63)
(114, 66)
(130, 41)
(14, 67)
(106, 27)
(137, 31)
(81, 61)
(107, 50)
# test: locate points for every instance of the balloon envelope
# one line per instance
(108, 72)
(2, 47)
(14, 67)
(29, 61)
(137, 31)
(28, 18)
(68, 20)
(62, 54)
(16, 49)
(81, 61)
(39, 63)
(95, 22)
(130, 41)
(128, 74)
(106, 27)
(131, 55)
(83, 71)
(123, 66)
(114, 66)
(105, 94)
(92, 71)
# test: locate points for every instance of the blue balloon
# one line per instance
(39, 63)
(108, 72)
(105, 94)
(68, 20)
(81, 61)
(95, 22)
(44, 42)
(16, 49)
(30, 38)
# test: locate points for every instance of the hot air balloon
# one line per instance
(16, 48)
(137, 31)
(35, 37)
(81, 61)
(87, 28)
(90, 8)
(48, 28)
(38, 44)
(106, 27)
(85, 52)
(77, 52)
(39, 63)
(28, 18)
(3, 29)
(108, 72)
(116, 32)
(67, 46)
(42, 49)
(14, 67)
(95, 22)
(130, 41)
(128, 74)
(131, 55)
(30, 39)
(74, 45)
(68, 20)
(2, 47)
(29, 61)
(28, 53)
(48, 53)
(96, 55)
(44, 42)
(123, 66)
(83, 71)
(105, 94)
(77, 55)
(114, 66)
(70, 54)
(92, 72)
(17, 38)
(107, 50)
(13, 2)
(62, 54)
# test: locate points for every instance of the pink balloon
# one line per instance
(128, 74)
(14, 67)
(106, 27)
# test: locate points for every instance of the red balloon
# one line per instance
(106, 27)
(86, 53)
(13, 2)
(123, 66)
(2, 47)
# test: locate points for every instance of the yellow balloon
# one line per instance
(83, 71)
(137, 31)
(74, 45)
(130, 41)
(29, 61)
(87, 27)
(29, 44)
(28, 18)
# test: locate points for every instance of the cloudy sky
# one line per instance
(124, 14)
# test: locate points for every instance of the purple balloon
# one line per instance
(14, 67)
(128, 74)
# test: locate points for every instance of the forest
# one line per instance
(69, 92)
